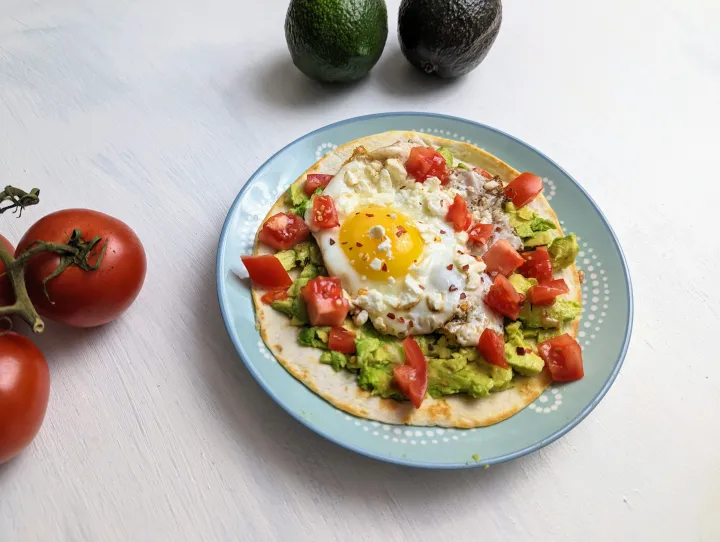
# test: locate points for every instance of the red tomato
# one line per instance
(563, 357)
(458, 214)
(324, 214)
(341, 340)
(503, 298)
(266, 271)
(480, 233)
(502, 258)
(24, 393)
(426, 162)
(484, 173)
(276, 294)
(7, 296)
(492, 348)
(537, 265)
(283, 231)
(412, 378)
(326, 305)
(545, 294)
(315, 181)
(81, 298)
(524, 189)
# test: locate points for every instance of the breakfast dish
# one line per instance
(413, 279)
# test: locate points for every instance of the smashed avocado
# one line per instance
(378, 380)
(314, 336)
(563, 251)
(338, 360)
(447, 154)
(519, 353)
(522, 284)
(552, 317)
(533, 229)
(456, 375)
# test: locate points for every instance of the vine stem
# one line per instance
(23, 307)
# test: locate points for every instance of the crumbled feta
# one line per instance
(375, 264)
(360, 318)
(396, 170)
(413, 285)
(385, 246)
(376, 232)
(435, 301)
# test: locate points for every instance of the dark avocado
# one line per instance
(336, 41)
(448, 38)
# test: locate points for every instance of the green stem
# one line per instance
(19, 199)
(23, 307)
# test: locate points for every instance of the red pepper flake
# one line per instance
(411, 324)
(391, 316)
(449, 267)
(443, 232)
(344, 242)
(358, 244)
(388, 216)
(466, 267)
(442, 203)
(369, 215)
(421, 286)
(400, 231)
(498, 229)
(332, 242)
(350, 248)
(401, 320)
(452, 288)
(463, 295)
(460, 252)
(384, 267)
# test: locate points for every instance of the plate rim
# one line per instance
(399, 460)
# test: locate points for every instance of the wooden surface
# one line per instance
(158, 111)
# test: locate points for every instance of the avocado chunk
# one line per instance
(552, 317)
(372, 350)
(338, 360)
(463, 165)
(447, 154)
(309, 272)
(285, 306)
(299, 312)
(336, 41)
(314, 336)
(539, 239)
(563, 251)
(378, 380)
(297, 199)
(287, 259)
(533, 229)
(502, 378)
(521, 284)
(448, 39)
(456, 375)
(525, 362)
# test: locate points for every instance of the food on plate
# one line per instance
(418, 280)
(448, 38)
(336, 41)
(98, 290)
(24, 393)
(6, 293)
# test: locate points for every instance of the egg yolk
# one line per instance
(379, 242)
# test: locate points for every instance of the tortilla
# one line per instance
(340, 388)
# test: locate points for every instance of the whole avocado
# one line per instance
(448, 38)
(336, 41)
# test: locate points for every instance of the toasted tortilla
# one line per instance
(340, 388)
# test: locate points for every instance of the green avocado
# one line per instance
(547, 334)
(552, 317)
(533, 229)
(447, 154)
(563, 251)
(314, 336)
(299, 312)
(287, 259)
(522, 284)
(456, 375)
(464, 166)
(518, 352)
(297, 199)
(285, 306)
(309, 272)
(502, 378)
(539, 239)
(372, 350)
(336, 41)
(338, 360)
(378, 380)
(448, 38)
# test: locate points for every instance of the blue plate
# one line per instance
(604, 331)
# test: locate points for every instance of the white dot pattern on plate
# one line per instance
(445, 133)
(549, 190)
(324, 148)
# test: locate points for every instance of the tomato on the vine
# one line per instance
(78, 297)
(24, 393)
(7, 297)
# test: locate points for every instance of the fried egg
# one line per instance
(398, 258)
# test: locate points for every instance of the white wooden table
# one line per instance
(158, 111)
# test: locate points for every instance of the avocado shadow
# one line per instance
(283, 447)
(396, 76)
(279, 83)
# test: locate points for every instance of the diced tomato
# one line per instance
(537, 265)
(266, 271)
(458, 214)
(324, 214)
(480, 233)
(283, 231)
(502, 258)
(492, 348)
(563, 357)
(412, 378)
(276, 294)
(484, 173)
(315, 181)
(426, 162)
(326, 305)
(545, 294)
(503, 298)
(524, 189)
(341, 340)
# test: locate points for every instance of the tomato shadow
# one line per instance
(278, 83)
(283, 449)
(59, 341)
